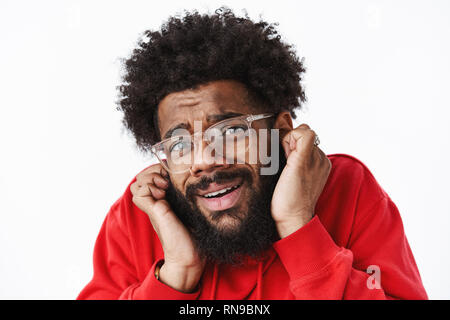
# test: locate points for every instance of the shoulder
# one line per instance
(348, 165)
(349, 194)
(349, 172)
(347, 162)
(124, 208)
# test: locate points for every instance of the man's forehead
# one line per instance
(218, 91)
(201, 103)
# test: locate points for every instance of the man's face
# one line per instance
(226, 206)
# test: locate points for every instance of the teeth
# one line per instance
(213, 194)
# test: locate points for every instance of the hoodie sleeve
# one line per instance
(115, 275)
(377, 263)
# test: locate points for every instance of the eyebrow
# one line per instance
(222, 116)
(177, 127)
(210, 118)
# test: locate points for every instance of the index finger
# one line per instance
(302, 140)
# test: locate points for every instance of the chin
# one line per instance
(226, 221)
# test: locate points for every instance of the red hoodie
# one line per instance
(356, 225)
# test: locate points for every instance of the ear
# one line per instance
(283, 122)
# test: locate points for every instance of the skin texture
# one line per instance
(296, 193)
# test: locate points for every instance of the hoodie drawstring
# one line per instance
(259, 281)
(212, 294)
(215, 279)
(260, 274)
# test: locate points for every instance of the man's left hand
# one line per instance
(301, 182)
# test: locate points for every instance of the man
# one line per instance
(209, 95)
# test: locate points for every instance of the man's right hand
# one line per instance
(183, 267)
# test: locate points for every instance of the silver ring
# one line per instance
(316, 141)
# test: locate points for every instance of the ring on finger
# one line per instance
(316, 141)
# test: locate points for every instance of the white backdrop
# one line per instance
(377, 84)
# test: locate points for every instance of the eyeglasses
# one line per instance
(228, 139)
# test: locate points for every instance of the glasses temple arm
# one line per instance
(259, 116)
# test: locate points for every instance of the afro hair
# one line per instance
(194, 49)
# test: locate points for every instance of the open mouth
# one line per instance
(221, 197)
(221, 192)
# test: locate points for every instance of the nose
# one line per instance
(205, 159)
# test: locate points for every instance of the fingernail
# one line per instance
(164, 174)
(292, 143)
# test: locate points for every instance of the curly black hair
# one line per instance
(195, 49)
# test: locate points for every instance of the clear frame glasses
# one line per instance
(227, 140)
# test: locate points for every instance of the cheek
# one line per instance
(179, 181)
(255, 180)
(259, 148)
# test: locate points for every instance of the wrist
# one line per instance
(181, 278)
(290, 225)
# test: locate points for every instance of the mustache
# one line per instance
(219, 177)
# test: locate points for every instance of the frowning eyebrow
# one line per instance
(219, 117)
(210, 118)
(177, 127)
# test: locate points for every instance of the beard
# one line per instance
(254, 231)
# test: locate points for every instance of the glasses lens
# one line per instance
(229, 140)
(226, 141)
(176, 154)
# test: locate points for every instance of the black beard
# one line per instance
(256, 231)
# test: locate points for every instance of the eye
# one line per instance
(235, 130)
(180, 146)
